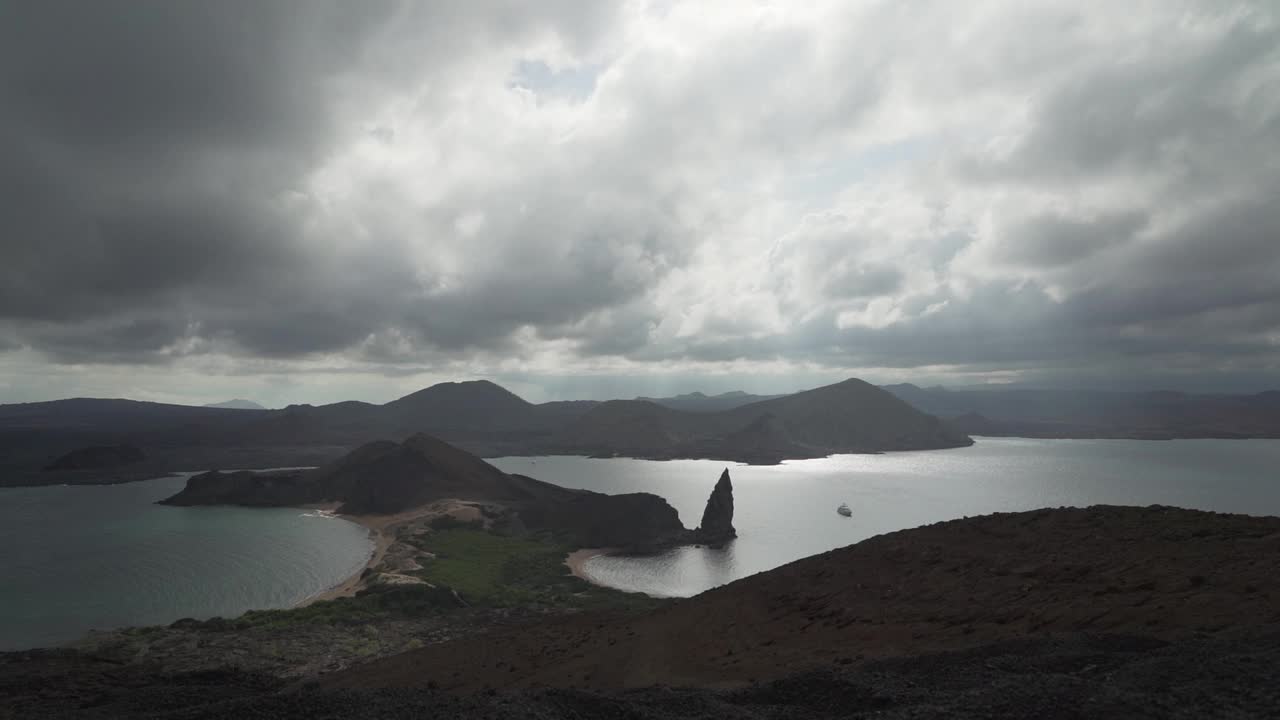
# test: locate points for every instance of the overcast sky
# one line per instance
(313, 201)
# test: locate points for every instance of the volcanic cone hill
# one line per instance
(851, 416)
(384, 478)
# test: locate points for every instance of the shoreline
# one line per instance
(349, 586)
(576, 561)
(383, 530)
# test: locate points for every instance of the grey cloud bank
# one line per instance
(311, 201)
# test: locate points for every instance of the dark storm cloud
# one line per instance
(1050, 240)
(141, 143)
(123, 340)
(145, 148)
(390, 184)
(148, 73)
(1185, 109)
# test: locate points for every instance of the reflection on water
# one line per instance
(787, 512)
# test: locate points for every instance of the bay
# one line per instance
(79, 558)
(788, 511)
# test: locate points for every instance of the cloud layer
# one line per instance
(1000, 190)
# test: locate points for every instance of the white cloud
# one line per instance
(971, 189)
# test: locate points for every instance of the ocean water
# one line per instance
(73, 559)
(787, 512)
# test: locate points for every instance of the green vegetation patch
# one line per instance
(485, 569)
(500, 571)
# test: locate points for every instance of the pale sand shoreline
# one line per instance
(381, 531)
(577, 561)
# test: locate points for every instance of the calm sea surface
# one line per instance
(78, 558)
(74, 559)
(787, 512)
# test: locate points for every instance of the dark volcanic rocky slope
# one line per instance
(1230, 675)
(1071, 613)
(1165, 573)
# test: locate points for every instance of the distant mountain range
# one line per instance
(851, 416)
(486, 419)
(1098, 414)
(237, 404)
(697, 402)
(478, 416)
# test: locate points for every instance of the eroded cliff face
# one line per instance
(717, 518)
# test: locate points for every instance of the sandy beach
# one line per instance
(577, 560)
(381, 530)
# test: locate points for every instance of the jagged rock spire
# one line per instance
(717, 518)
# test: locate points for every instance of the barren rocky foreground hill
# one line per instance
(1157, 572)
(1070, 613)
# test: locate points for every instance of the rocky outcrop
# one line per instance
(98, 457)
(252, 489)
(632, 522)
(716, 527)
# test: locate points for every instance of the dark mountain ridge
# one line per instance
(699, 402)
(487, 419)
(479, 416)
(848, 417)
(236, 404)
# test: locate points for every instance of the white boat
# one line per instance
(844, 510)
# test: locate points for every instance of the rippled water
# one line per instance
(788, 511)
(74, 559)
